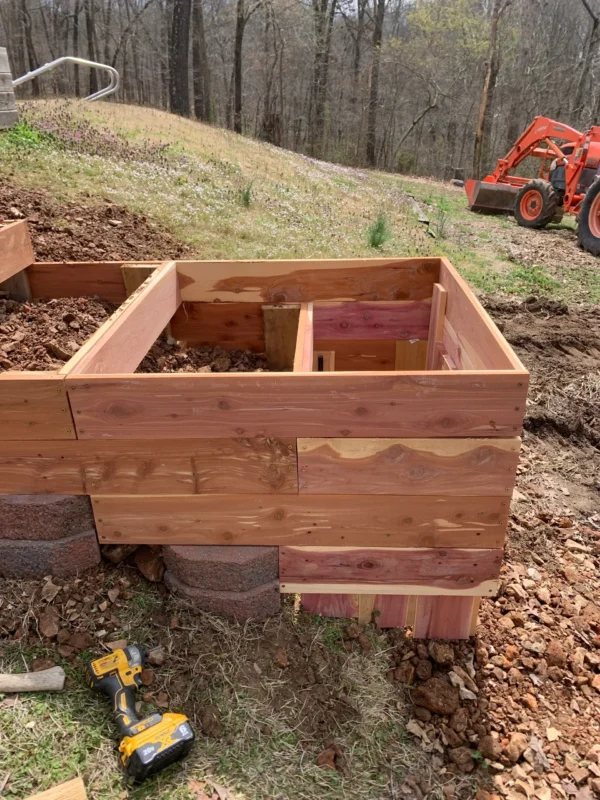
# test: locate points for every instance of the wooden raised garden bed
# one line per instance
(380, 456)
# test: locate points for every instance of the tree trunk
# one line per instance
(179, 89)
(200, 67)
(240, 24)
(374, 83)
(323, 16)
(580, 100)
(32, 59)
(487, 93)
(89, 29)
(76, 12)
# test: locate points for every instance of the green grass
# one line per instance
(233, 197)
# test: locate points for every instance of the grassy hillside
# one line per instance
(233, 197)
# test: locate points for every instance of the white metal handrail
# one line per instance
(112, 86)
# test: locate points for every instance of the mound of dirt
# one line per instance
(44, 334)
(561, 348)
(87, 231)
(168, 355)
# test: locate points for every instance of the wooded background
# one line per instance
(416, 86)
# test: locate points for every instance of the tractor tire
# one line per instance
(589, 220)
(536, 204)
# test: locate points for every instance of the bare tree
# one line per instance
(179, 46)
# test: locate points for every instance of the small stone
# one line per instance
(118, 644)
(519, 619)
(364, 642)
(326, 759)
(552, 734)
(463, 758)
(424, 669)
(353, 631)
(481, 655)
(580, 775)
(442, 653)
(281, 658)
(459, 720)
(555, 654)
(529, 701)
(40, 664)
(596, 683)
(511, 652)
(64, 651)
(210, 722)
(81, 641)
(506, 622)
(405, 673)
(437, 696)
(543, 595)
(147, 677)
(517, 744)
(571, 574)
(149, 563)
(490, 748)
(116, 223)
(422, 714)
(156, 657)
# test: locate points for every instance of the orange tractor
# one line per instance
(568, 180)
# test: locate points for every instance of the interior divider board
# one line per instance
(303, 354)
(380, 320)
(408, 466)
(231, 326)
(125, 338)
(361, 355)
(436, 325)
(16, 250)
(477, 334)
(282, 405)
(416, 571)
(281, 325)
(90, 466)
(306, 280)
(410, 354)
(320, 520)
(455, 349)
(34, 406)
(55, 279)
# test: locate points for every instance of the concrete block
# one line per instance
(43, 516)
(257, 603)
(225, 568)
(8, 118)
(20, 558)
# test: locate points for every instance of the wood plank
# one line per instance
(323, 520)
(303, 353)
(201, 466)
(391, 611)
(436, 324)
(296, 281)
(331, 605)
(122, 342)
(479, 336)
(453, 345)
(488, 588)
(408, 466)
(443, 618)
(16, 250)
(72, 790)
(474, 616)
(134, 276)
(359, 320)
(363, 355)
(34, 406)
(280, 334)
(231, 326)
(366, 607)
(17, 287)
(103, 279)
(155, 406)
(411, 354)
(422, 570)
(324, 361)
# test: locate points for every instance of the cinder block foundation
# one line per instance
(237, 582)
(46, 535)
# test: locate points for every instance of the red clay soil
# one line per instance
(167, 355)
(44, 334)
(87, 231)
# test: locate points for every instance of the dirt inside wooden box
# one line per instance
(42, 335)
(168, 355)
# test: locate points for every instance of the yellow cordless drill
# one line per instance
(148, 744)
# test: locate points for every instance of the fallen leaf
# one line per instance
(224, 793)
(9, 702)
(48, 623)
(197, 789)
(113, 595)
(50, 591)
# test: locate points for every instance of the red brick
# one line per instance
(225, 568)
(20, 558)
(257, 603)
(44, 516)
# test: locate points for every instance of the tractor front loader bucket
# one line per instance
(498, 197)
